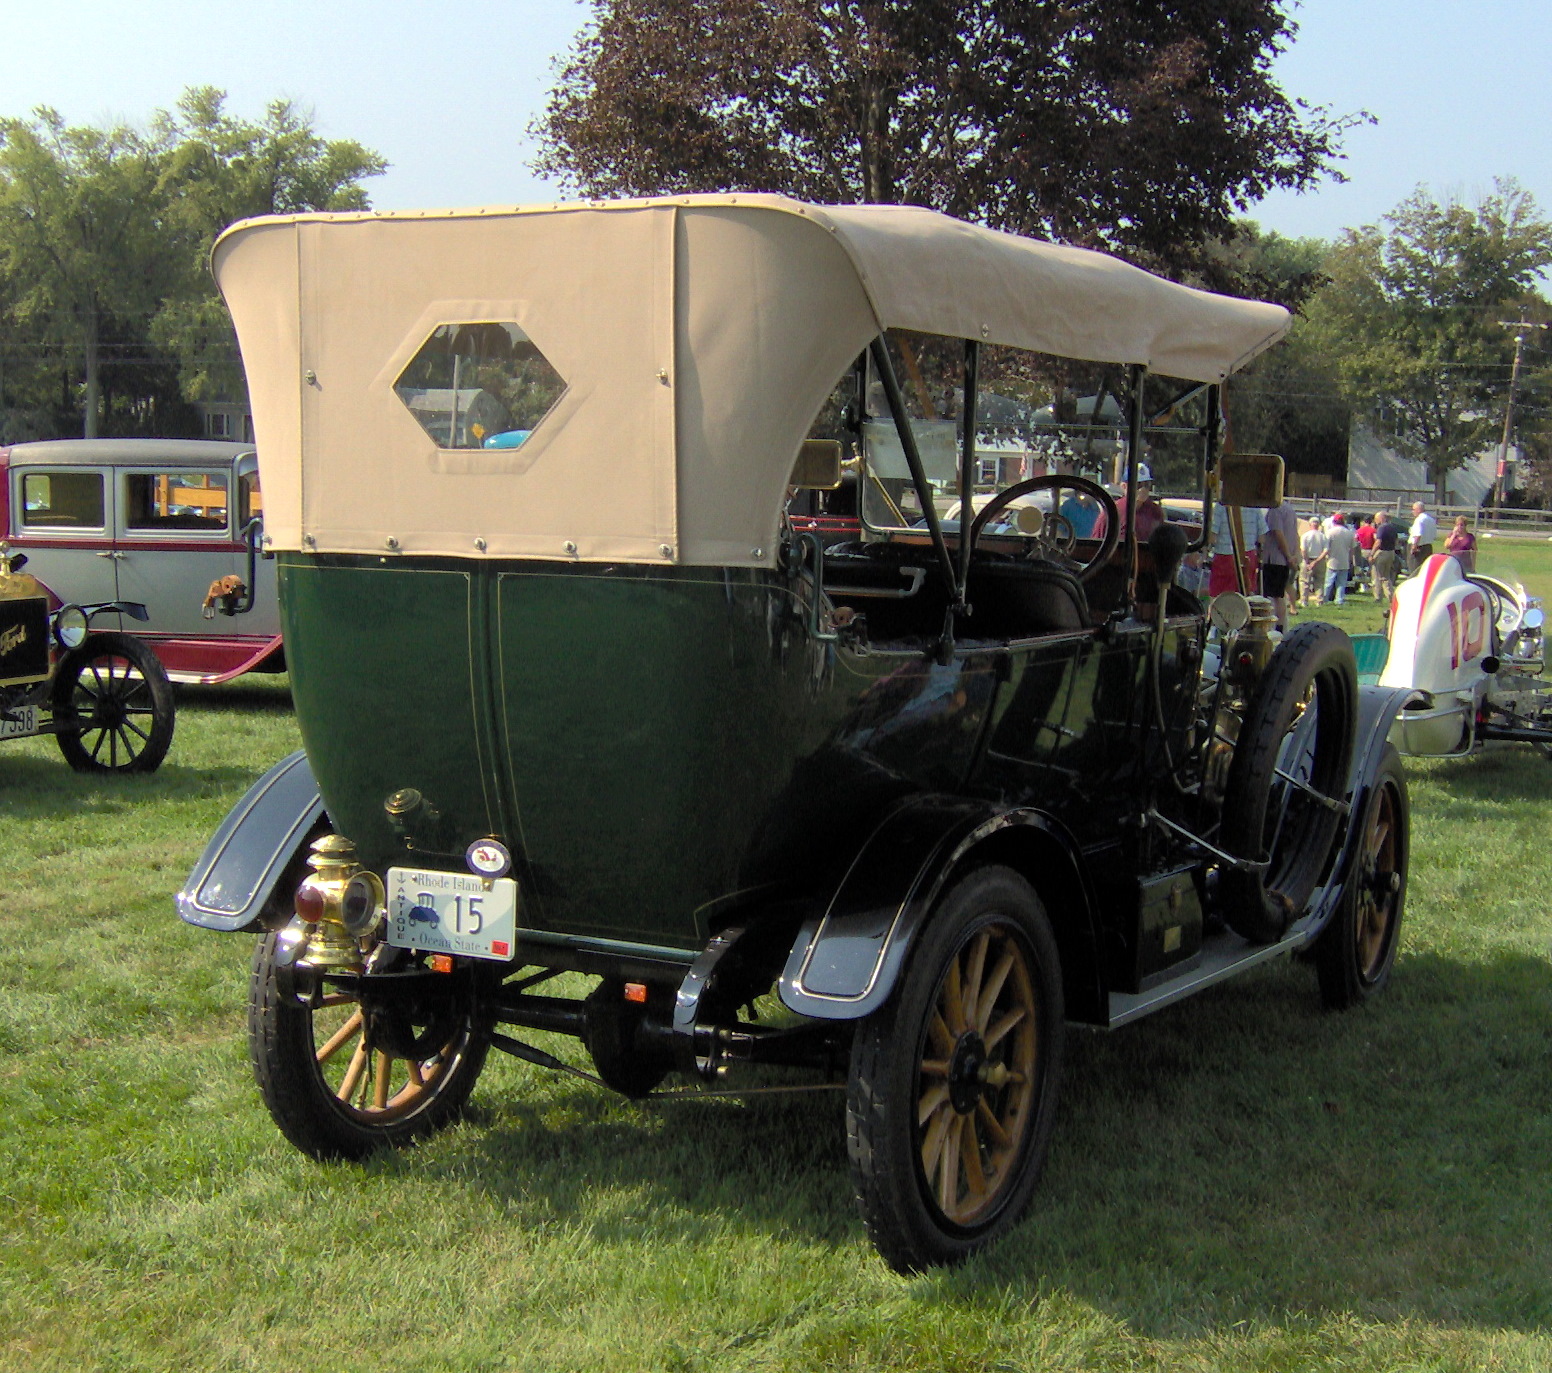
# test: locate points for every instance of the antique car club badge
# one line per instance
(488, 858)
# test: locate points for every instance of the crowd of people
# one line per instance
(1293, 561)
(1289, 560)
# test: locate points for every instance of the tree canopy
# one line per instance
(1414, 314)
(1138, 127)
(81, 237)
(1288, 401)
(216, 170)
(111, 320)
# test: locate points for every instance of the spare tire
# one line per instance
(1266, 818)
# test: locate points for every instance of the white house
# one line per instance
(1373, 470)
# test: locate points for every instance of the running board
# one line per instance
(1223, 955)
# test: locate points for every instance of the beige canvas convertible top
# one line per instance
(697, 337)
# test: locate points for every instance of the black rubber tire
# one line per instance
(888, 1090)
(284, 1052)
(1296, 836)
(108, 719)
(1356, 951)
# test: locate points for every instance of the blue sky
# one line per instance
(446, 93)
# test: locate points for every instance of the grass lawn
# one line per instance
(1529, 560)
(1243, 1182)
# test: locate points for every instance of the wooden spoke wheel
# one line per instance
(1356, 951)
(953, 1084)
(357, 1071)
(113, 706)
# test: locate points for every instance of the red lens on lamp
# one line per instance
(309, 903)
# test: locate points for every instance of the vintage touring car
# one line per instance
(576, 699)
(104, 696)
(169, 524)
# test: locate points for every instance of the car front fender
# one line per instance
(235, 878)
(134, 609)
(1378, 708)
(844, 964)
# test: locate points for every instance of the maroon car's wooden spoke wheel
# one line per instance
(977, 1073)
(1378, 883)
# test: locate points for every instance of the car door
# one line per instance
(174, 537)
(263, 619)
(62, 519)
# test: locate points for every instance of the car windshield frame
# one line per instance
(1138, 424)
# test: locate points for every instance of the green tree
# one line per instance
(1140, 127)
(218, 169)
(106, 298)
(1411, 319)
(83, 239)
(1289, 401)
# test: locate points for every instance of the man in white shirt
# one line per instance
(1340, 543)
(1421, 536)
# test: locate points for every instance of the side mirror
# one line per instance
(818, 467)
(1250, 479)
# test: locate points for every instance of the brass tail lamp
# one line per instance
(341, 902)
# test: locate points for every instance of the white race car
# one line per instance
(1472, 646)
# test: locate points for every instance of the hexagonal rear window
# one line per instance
(479, 385)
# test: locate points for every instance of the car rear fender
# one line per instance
(844, 964)
(231, 886)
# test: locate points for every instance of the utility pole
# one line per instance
(1521, 327)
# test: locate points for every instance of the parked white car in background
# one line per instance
(170, 523)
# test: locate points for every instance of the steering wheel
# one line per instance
(1055, 481)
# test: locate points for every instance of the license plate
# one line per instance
(19, 722)
(452, 912)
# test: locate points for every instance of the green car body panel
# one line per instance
(660, 746)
